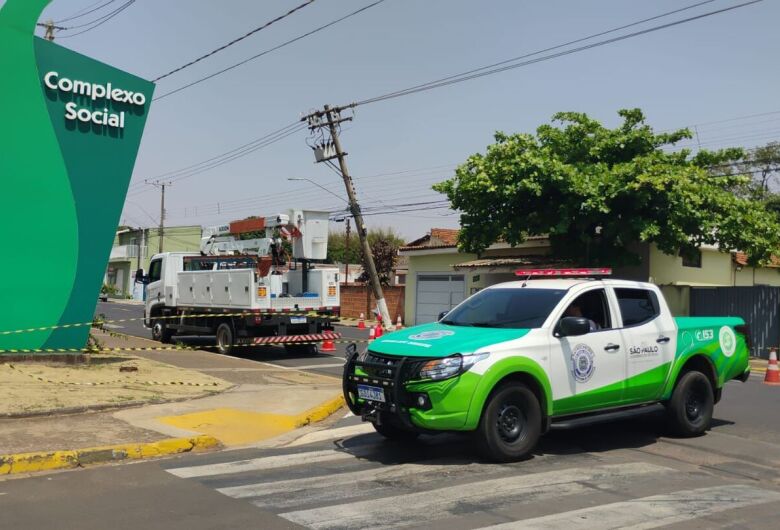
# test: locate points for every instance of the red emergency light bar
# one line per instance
(564, 273)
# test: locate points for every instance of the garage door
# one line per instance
(437, 293)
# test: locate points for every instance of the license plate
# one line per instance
(371, 393)
(297, 320)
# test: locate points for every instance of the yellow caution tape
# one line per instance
(121, 349)
(99, 322)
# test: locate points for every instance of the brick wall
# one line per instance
(353, 300)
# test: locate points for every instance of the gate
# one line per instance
(758, 305)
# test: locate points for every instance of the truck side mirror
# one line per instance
(139, 276)
(574, 326)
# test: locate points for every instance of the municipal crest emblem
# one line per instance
(582, 364)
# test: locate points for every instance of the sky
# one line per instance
(711, 70)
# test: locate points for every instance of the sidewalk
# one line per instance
(264, 401)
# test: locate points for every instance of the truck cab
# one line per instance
(516, 357)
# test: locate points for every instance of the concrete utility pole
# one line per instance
(328, 151)
(346, 254)
(161, 233)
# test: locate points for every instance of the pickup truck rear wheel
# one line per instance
(224, 339)
(690, 408)
(511, 423)
(161, 333)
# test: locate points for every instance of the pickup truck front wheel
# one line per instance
(690, 408)
(510, 425)
(392, 431)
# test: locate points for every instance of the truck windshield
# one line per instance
(505, 308)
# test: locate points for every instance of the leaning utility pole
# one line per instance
(161, 233)
(328, 151)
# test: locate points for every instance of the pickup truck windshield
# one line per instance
(505, 308)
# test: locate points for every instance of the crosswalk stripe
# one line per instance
(417, 508)
(651, 512)
(332, 434)
(341, 485)
(261, 464)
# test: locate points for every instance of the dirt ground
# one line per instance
(38, 387)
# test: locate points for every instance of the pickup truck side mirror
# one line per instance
(574, 326)
(442, 315)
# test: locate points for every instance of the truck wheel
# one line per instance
(510, 425)
(161, 333)
(224, 338)
(392, 431)
(690, 408)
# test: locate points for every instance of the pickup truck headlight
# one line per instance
(438, 369)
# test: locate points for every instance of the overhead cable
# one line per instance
(266, 52)
(234, 41)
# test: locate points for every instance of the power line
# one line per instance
(232, 154)
(266, 52)
(273, 140)
(234, 41)
(100, 21)
(497, 68)
(82, 13)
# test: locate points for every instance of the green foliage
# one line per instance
(596, 191)
(337, 251)
(109, 289)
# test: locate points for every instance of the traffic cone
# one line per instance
(772, 376)
(362, 321)
(399, 323)
(371, 333)
(328, 346)
(379, 331)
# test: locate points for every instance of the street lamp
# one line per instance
(321, 187)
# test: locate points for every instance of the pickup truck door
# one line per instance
(650, 334)
(588, 371)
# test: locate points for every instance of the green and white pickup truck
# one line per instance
(517, 357)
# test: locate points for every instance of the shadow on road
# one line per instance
(459, 449)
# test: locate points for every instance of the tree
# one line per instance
(597, 191)
(385, 252)
(763, 163)
(337, 252)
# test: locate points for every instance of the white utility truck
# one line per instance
(248, 291)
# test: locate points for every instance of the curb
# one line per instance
(52, 460)
(320, 412)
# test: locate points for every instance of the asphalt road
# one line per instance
(326, 363)
(614, 475)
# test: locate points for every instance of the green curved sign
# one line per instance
(69, 136)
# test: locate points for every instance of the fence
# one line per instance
(758, 305)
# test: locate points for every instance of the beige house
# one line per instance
(439, 276)
(134, 247)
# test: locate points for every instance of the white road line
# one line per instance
(332, 434)
(415, 509)
(339, 486)
(651, 512)
(263, 464)
(113, 326)
(310, 366)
